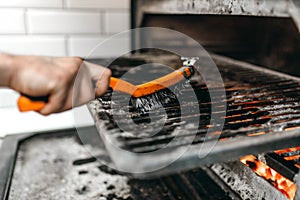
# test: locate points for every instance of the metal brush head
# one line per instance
(165, 97)
(154, 101)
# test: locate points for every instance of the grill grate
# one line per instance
(259, 103)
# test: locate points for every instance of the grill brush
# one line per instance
(144, 94)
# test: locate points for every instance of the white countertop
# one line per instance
(13, 122)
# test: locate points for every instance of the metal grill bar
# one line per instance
(259, 103)
(284, 167)
(254, 114)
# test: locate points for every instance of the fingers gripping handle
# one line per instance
(29, 103)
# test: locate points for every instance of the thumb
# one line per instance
(102, 84)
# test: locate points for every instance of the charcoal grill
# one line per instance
(57, 165)
(45, 169)
(262, 116)
(39, 166)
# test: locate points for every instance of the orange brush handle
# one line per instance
(152, 86)
(26, 103)
(162, 82)
(121, 86)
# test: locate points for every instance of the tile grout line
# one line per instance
(103, 23)
(64, 4)
(67, 45)
(66, 36)
(26, 23)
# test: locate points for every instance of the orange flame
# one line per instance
(284, 185)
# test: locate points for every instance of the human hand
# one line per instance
(59, 78)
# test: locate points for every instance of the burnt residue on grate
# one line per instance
(257, 103)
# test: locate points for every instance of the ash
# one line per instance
(245, 182)
(45, 170)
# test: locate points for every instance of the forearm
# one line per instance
(53, 77)
(7, 68)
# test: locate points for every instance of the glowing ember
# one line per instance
(255, 134)
(292, 128)
(232, 116)
(292, 157)
(284, 185)
(217, 133)
(241, 121)
(287, 150)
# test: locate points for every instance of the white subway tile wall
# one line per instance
(12, 21)
(63, 22)
(53, 45)
(84, 46)
(95, 47)
(32, 3)
(116, 22)
(106, 4)
(56, 28)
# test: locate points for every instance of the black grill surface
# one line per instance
(262, 114)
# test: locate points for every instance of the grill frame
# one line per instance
(11, 144)
(233, 148)
(9, 151)
(12, 147)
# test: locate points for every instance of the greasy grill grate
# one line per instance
(258, 103)
(254, 100)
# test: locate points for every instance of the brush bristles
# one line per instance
(154, 101)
